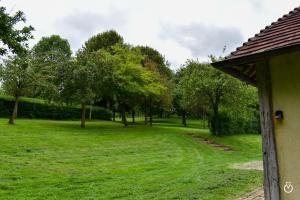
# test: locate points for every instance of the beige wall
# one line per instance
(285, 76)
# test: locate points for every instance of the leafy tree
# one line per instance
(104, 41)
(159, 101)
(52, 49)
(18, 79)
(156, 63)
(209, 86)
(153, 56)
(52, 58)
(83, 82)
(12, 38)
(90, 78)
(131, 80)
(184, 101)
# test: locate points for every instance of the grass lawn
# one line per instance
(42, 159)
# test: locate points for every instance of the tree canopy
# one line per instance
(18, 79)
(104, 40)
(204, 87)
(51, 56)
(11, 37)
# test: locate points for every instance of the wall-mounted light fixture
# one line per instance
(279, 115)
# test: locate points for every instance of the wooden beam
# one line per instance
(239, 75)
(271, 172)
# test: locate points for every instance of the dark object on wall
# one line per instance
(279, 115)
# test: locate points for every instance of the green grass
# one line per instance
(42, 159)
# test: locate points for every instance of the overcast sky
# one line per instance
(179, 29)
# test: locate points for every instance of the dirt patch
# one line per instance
(256, 165)
(211, 143)
(257, 194)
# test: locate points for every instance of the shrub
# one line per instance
(237, 124)
(39, 109)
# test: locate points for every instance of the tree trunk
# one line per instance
(161, 113)
(82, 115)
(150, 116)
(184, 118)
(114, 115)
(133, 116)
(124, 120)
(146, 117)
(15, 112)
(150, 119)
(216, 124)
(108, 104)
(91, 111)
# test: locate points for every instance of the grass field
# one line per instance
(42, 159)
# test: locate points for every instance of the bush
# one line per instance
(39, 109)
(236, 124)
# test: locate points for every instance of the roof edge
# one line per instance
(253, 58)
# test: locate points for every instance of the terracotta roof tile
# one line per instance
(283, 33)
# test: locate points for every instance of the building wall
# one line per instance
(285, 77)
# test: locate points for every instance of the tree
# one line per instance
(12, 38)
(89, 78)
(131, 80)
(18, 79)
(52, 57)
(155, 62)
(103, 41)
(52, 49)
(83, 82)
(184, 102)
(153, 56)
(208, 86)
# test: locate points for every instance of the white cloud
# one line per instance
(78, 26)
(194, 27)
(203, 40)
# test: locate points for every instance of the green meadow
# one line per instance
(43, 159)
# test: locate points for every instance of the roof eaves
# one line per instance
(253, 58)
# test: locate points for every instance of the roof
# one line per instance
(281, 36)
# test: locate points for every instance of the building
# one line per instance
(271, 61)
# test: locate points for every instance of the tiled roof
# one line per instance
(283, 33)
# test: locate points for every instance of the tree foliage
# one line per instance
(103, 40)
(154, 57)
(200, 85)
(51, 49)
(52, 58)
(133, 82)
(155, 62)
(17, 79)
(11, 37)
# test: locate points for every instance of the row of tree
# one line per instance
(124, 78)
(105, 69)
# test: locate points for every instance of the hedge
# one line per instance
(40, 109)
(234, 124)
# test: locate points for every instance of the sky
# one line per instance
(179, 29)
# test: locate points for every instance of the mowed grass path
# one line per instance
(41, 159)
